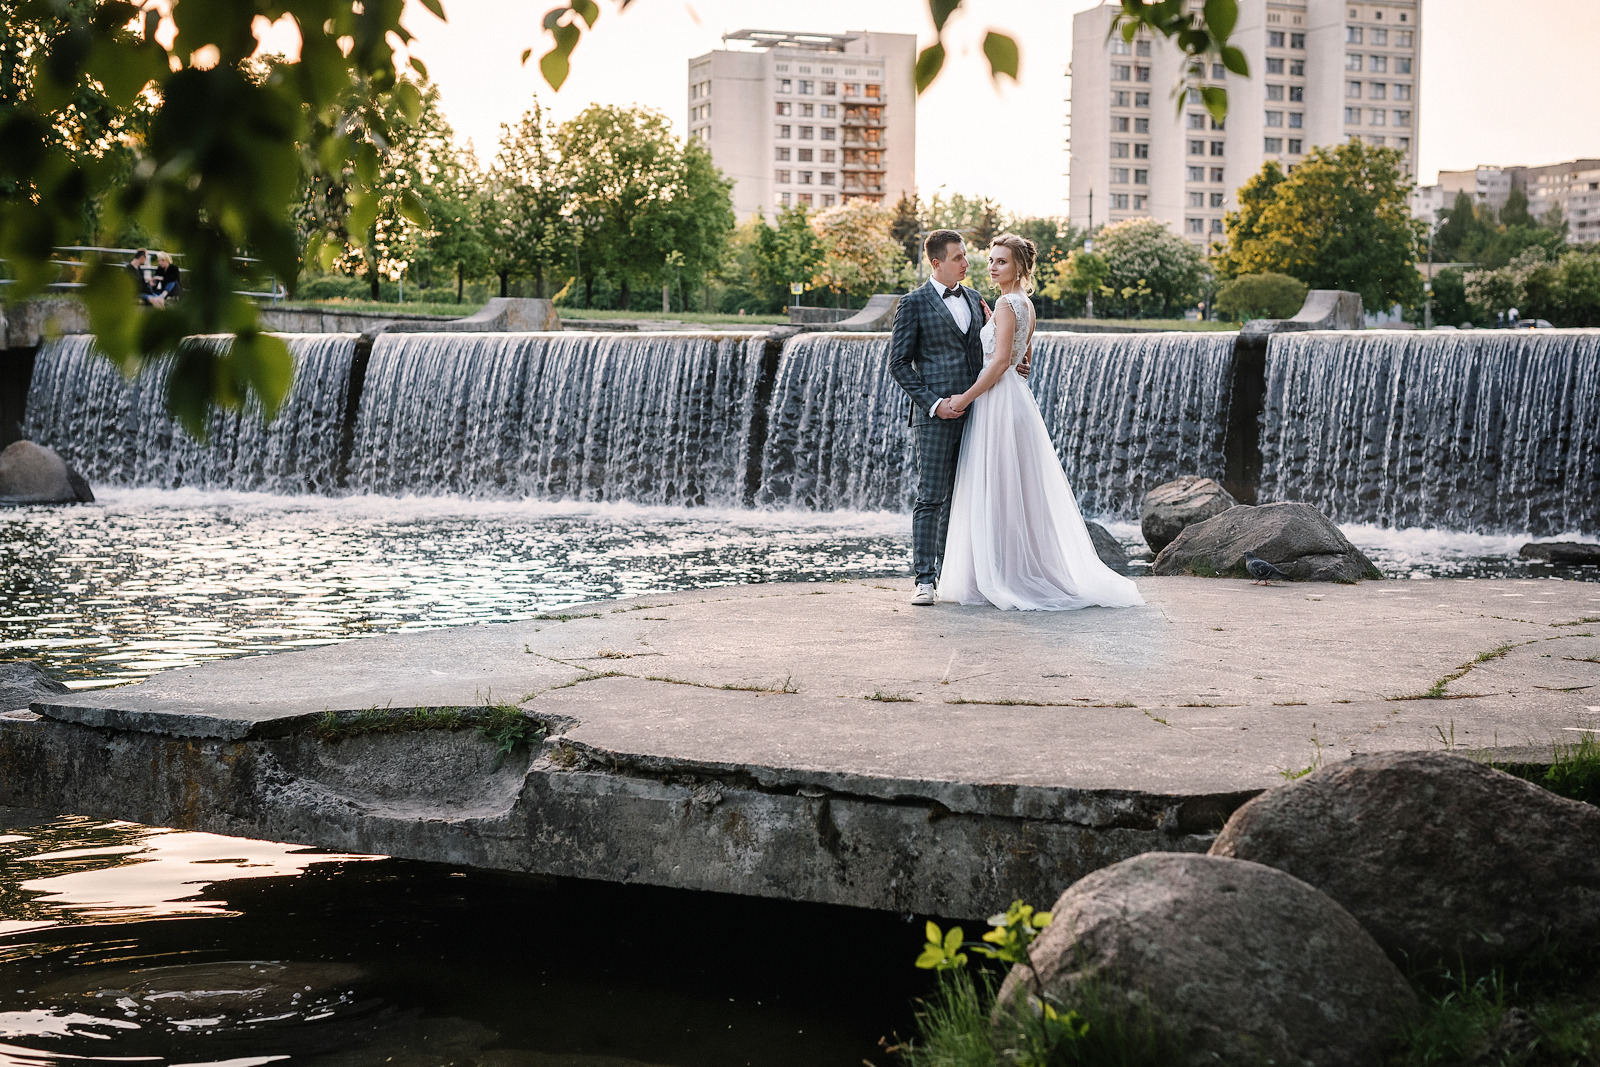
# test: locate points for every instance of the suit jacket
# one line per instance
(928, 355)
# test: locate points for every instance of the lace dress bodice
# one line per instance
(1022, 307)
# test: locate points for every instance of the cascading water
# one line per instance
(1126, 411)
(118, 432)
(1477, 431)
(653, 418)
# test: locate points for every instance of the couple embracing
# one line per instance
(995, 521)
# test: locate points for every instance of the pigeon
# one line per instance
(1262, 571)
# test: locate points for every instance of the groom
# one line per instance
(935, 353)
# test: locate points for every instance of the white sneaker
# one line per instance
(925, 595)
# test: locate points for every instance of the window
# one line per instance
(1141, 125)
(1402, 92)
(1140, 200)
(1216, 225)
(1273, 144)
(781, 176)
(1380, 38)
(1378, 64)
(783, 198)
(1197, 148)
(1377, 117)
(1274, 92)
(1274, 66)
(1195, 225)
(1196, 122)
(1297, 68)
(1217, 147)
(807, 87)
(828, 132)
(808, 111)
(1297, 94)
(1297, 40)
(805, 70)
(1218, 71)
(1141, 177)
(830, 88)
(1119, 175)
(1375, 140)
(1143, 99)
(1121, 72)
(830, 111)
(874, 91)
(1274, 38)
(1141, 74)
(1352, 61)
(1378, 91)
(1119, 150)
(785, 108)
(782, 155)
(1352, 35)
(1216, 174)
(1121, 124)
(1403, 143)
(1142, 151)
(1352, 116)
(1274, 118)
(1142, 48)
(1119, 98)
(827, 177)
(1296, 146)
(852, 89)
(804, 198)
(804, 155)
(829, 155)
(805, 133)
(1402, 118)
(1402, 64)
(783, 131)
(1119, 201)
(1217, 198)
(827, 199)
(1197, 174)
(1297, 120)
(1120, 47)
(1352, 90)
(1402, 39)
(805, 177)
(1215, 125)
(1197, 199)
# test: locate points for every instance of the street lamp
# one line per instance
(1088, 248)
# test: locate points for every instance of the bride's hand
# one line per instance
(988, 315)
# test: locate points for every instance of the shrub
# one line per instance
(1261, 296)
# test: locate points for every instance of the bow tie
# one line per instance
(954, 290)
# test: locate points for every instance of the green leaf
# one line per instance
(952, 941)
(554, 66)
(1004, 57)
(1234, 60)
(266, 367)
(932, 932)
(527, 53)
(929, 63)
(930, 958)
(1221, 17)
(587, 10)
(436, 7)
(941, 10)
(1215, 98)
(409, 98)
(412, 207)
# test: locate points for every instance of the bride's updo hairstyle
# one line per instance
(1025, 252)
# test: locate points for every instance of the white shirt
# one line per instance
(959, 310)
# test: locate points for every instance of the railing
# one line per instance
(275, 293)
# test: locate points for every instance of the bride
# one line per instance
(1016, 537)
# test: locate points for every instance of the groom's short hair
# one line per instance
(939, 241)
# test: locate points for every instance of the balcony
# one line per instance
(863, 117)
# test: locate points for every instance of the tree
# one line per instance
(1080, 274)
(1054, 238)
(1515, 212)
(789, 252)
(1564, 289)
(1261, 296)
(1460, 222)
(1342, 220)
(860, 252)
(990, 224)
(907, 228)
(1150, 271)
(1243, 227)
(532, 232)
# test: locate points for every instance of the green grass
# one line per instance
(716, 317)
(1493, 1019)
(503, 725)
(1436, 691)
(1154, 324)
(368, 307)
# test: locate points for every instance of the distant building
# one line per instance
(1321, 72)
(1427, 201)
(1572, 187)
(808, 118)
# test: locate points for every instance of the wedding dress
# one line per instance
(1017, 539)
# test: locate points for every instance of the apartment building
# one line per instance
(1572, 187)
(808, 118)
(1141, 144)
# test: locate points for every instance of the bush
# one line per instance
(1261, 296)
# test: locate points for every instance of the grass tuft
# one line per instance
(890, 698)
(504, 725)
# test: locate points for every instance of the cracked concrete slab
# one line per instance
(829, 741)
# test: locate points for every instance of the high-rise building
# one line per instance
(808, 118)
(1321, 71)
(1572, 188)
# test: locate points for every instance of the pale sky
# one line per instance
(1503, 81)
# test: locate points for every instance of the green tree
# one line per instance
(1079, 274)
(1054, 238)
(1243, 226)
(1342, 220)
(1457, 229)
(906, 228)
(860, 254)
(531, 231)
(1150, 271)
(1515, 212)
(1261, 296)
(789, 252)
(990, 224)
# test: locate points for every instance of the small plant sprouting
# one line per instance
(891, 698)
(1316, 759)
(504, 725)
(508, 729)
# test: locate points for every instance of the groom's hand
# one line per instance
(1026, 365)
(948, 410)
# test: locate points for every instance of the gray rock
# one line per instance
(34, 474)
(1561, 552)
(1107, 547)
(1440, 857)
(1296, 538)
(23, 681)
(1247, 963)
(1172, 506)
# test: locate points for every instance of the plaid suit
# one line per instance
(931, 359)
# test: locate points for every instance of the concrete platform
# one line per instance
(829, 741)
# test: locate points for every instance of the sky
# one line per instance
(1502, 81)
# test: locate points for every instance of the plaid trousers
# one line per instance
(938, 446)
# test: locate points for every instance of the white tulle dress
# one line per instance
(1017, 539)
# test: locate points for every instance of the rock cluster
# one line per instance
(34, 474)
(1561, 552)
(1108, 548)
(1296, 538)
(1171, 506)
(22, 681)
(1285, 943)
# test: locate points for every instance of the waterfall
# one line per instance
(1126, 412)
(1478, 431)
(117, 431)
(652, 418)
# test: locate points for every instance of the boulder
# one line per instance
(1107, 547)
(23, 681)
(34, 474)
(1297, 538)
(1246, 963)
(1440, 857)
(1561, 552)
(1172, 506)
